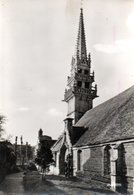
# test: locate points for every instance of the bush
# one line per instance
(32, 167)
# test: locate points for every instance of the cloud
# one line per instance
(54, 112)
(120, 46)
(23, 109)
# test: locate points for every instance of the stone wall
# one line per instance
(91, 161)
(54, 169)
(129, 159)
(93, 164)
(128, 166)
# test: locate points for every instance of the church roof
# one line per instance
(58, 144)
(110, 121)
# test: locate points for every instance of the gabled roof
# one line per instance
(110, 121)
(58, 144)
(68, 137)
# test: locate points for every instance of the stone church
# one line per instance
(97, 143)
(79, 95)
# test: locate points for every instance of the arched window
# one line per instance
(107, 166)
(79, 160)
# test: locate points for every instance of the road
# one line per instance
(32, 184)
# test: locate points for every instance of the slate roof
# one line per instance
(57, 146)
(110, 121)
(74, 135)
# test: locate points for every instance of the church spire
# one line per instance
(81, 52)
(80, 92)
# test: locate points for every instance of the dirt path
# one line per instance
(32, 184)
(13, 184)
(75, 186)
(58, 185)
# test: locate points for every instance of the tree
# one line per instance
(44, 157)
(2, 121)
(7, 157)
(11, 157)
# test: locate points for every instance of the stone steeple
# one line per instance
(79, 93)
(81, 52)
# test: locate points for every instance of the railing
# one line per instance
(81, 76)
(89, 77)
(78, 90)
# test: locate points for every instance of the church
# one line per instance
(97, 143)
(79, 95)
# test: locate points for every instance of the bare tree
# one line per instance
(2, 121)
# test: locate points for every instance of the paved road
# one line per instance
(32, 184)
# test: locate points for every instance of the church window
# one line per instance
(79, 160)
(79, 70)
(79, 83)
(86, 72)
(87, 85)
(107, 167)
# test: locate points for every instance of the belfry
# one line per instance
(79, 93)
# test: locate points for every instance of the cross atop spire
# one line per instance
(81, 52)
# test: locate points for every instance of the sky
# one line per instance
(37, 41)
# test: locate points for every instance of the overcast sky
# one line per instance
(37, 40)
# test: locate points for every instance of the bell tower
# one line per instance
(79, 92)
